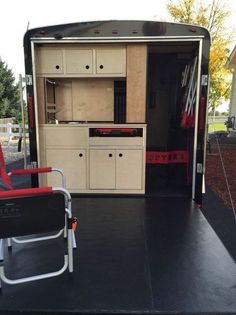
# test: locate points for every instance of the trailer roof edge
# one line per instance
(117, 29)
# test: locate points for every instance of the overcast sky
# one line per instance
(16, 14)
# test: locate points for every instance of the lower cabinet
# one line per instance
(92, 163)
(115, 169)
(73, 164)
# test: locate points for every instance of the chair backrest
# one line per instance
(31, 215)
(3, 172)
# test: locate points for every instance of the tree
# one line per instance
(213, 16)
(9, 94)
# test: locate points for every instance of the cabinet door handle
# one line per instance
(120, 154)
(110, 154)
(81, 155)
(101, 66)
(87, 67)
(57, 67)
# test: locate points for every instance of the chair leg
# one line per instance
(70, 249)
(65, 230)
(5, 279)
(37, 239)
(1, 258)
(74, 245)
(1, 250)
(9, 243)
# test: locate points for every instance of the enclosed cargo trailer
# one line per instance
(119, 105)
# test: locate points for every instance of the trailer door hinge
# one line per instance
(204, 80)
(199, 168)
(29, 79)
(33, 164)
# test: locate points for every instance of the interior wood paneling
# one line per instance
(93, 100)
(136, 82)
(63, 98)
(41, 99)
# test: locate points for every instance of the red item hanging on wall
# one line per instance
(188, 117)
(184, 120)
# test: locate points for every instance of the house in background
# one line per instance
(231, 64)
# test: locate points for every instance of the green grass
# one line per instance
(216, 127)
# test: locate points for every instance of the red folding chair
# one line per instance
(34, 211)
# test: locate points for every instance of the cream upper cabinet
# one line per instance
(79, 61)
(49, 61)
(111, 61)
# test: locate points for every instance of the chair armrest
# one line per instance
(28, 171)
(39, 170)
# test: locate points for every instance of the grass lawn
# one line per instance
(216, 127)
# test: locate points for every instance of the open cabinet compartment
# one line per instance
(83, 100)
(172, 75)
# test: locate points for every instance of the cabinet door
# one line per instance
(72, 163)
(102, 169)
(79, 61)
(129, 169)
(111, 61)
(49, 61)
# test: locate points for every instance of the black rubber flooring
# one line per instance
(222, 220)
(135, 255)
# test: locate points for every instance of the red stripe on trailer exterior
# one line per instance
(31, 112)
(202, 111)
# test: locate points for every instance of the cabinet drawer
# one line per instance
(116, 141)
(66, 137)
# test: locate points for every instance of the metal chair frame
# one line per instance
(10, 195)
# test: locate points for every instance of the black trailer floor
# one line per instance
(135, 255)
